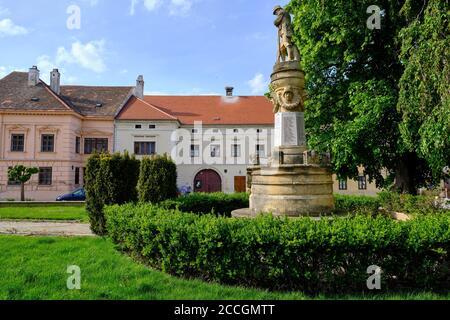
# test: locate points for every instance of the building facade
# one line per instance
(213, 139)
(54, 128)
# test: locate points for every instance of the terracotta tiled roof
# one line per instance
(15, 94)
(137, 109)
(85, 100)
(211, 110)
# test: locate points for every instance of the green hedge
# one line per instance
(157, 179)
(391, 201)
(407, 203)
(109, 179)
(285, 254)
(356, 204)
(205, 203)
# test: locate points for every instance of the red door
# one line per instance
(207, 181)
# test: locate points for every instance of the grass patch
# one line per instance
(35, 268)
(44, 213)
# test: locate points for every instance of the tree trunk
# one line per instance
(405, 174)
(22, 191)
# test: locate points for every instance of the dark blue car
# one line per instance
(77, 195)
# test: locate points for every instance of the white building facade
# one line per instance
(210, 157)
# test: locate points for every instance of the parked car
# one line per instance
(77, 195)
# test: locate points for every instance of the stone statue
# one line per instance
(287, 50)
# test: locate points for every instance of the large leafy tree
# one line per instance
(22, 175)
(353, 76)
(424, 100)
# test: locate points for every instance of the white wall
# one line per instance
(167, 136)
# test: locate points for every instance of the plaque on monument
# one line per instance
(289, 129)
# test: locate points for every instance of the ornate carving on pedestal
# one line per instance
(287, 98)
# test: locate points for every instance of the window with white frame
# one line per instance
(144, 148)
(215, 151)
(261, 150)
(235, 150)
(195, 150)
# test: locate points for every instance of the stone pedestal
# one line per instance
(294, 184)
(292, 190)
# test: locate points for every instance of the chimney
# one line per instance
(55, 79)
(229, 91)
(33, 76)
(139, 90)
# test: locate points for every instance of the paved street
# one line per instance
(45, 228)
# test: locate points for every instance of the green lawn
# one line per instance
(35, 268)
(44, 213)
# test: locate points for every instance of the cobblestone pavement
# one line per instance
(45, 228)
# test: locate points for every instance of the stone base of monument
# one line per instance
(290, 190)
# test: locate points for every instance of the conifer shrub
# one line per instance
(157, 179)
(109, 179)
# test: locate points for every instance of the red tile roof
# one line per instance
(137, 109)
(211, 110)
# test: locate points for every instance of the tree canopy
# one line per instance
(359, 83)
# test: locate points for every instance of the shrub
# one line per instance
(205, 203)
(157, 179)
(330, 255)
(391, 201)
(356, 204)
(407, 203)
(109, 179)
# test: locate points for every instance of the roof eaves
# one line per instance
(156, 108)
(124, 103)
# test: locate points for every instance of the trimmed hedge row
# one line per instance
(220, 204)
(391, 201)
(282, 254)
(223, 204)
(356, 204)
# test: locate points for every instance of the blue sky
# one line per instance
(182, 47)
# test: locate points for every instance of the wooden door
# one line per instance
(240, 184)
(207, 181)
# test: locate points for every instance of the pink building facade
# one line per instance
(54, 129)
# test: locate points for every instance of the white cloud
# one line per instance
(180, 7)
(133, 7)
(9, 28)
(45, 66)
(175, 7)
(3, 72)
(4, 11)
(258, 84)
(152, 5)
(88, 56)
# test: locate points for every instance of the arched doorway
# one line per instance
(207, 181)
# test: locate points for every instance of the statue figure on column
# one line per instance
(287, 50)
